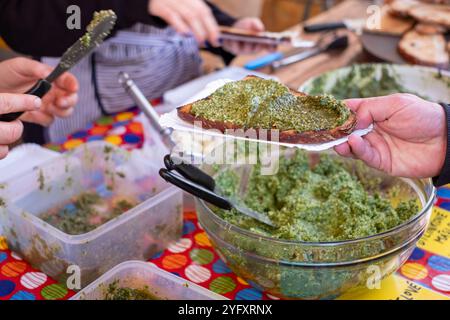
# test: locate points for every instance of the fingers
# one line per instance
(188, 16)
(211, 26)
(362, 150)
(67, 82)
(66, 102)
(38, 117)
(256, 24)
(200, 20)
(344, 150)
(10, 132)
(10, 103)
(378, 109)
(369, 149)
(59, 112)
(28, 68)
(3, 151)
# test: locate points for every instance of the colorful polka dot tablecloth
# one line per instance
(426, 275)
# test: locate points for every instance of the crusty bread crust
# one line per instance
(400, 8)
(287, 136)
(429, 28)
(431, 13)
(427, 50)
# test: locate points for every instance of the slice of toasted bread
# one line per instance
(424, 49)
(429, 28)
(286, 136)
(400, 8)
(431, 13)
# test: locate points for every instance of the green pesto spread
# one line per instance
(86, 39)
(268, 104)
(361, 82)
(320, 204)
(86, 212)
(114, 292)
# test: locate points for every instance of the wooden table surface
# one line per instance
(295, 74)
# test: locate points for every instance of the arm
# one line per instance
(38, 28)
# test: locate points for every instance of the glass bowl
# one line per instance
(319, 270)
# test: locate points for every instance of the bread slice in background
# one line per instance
(286, 136)
(424, 49)
(430, 28)
(391, 24)
(401, 8)
(431, 13)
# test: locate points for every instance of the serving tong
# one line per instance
(199, 184)
(101, 26)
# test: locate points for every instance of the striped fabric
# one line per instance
(157, 59)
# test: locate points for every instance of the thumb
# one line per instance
(10, 103)
(257, 25)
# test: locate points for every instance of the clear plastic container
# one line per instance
(141, 275)
(137, 234)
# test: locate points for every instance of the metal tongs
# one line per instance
(100, 27)
(199, 184)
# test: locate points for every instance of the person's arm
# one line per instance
(444, 177)
(38, 28)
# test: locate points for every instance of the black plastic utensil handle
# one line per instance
(195, 189)
(40, 89)
(191, 173)
(318, 27)
(338, 43)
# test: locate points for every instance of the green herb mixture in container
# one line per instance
(138, 280)
(93, 208)
(335, 218)
(380, 79)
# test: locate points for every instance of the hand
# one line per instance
(10, 132)
(409, 137)
(20, 74)
(188, 16)
(238, 47)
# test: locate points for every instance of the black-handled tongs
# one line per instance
(199, 184)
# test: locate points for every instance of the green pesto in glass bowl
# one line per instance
(336, 218)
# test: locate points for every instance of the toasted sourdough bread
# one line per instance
(424, 49)
(287, 136)
(401, 8)
(429, 28)
(431, 13)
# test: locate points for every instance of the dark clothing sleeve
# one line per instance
(222, 18)
(38, 28)
(444, 176)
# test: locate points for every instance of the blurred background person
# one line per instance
(156, 41)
